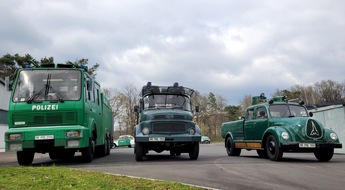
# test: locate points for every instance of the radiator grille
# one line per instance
(40, 119)
(171, 127)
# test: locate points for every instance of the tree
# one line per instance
(85, 62)
(330, 91)
(233, 112)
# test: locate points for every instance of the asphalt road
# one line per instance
(215, 169)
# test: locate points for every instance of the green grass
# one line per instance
(25, 178)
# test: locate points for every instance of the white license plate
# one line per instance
(307, 145)
(44, 137)
(157, 139)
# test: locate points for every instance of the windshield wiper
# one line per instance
(46, 88)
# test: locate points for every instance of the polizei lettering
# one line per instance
(45, 107)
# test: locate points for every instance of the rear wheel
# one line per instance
(25, 157)
(324, 155)
(194, 152)
(230, 148)
(139, 152)
(274, 153)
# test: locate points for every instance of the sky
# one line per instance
(231, 48)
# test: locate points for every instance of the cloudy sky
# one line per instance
(232, 48)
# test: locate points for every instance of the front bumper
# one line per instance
(295, 146)
(168, 138)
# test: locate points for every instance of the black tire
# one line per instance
(25, 157)
(54, 155)
(107, 152)
(68, 154)
(139, 152)
(274, 153)
(172, 152)
(129, 146)
(194, 152)
(230, 148)
(262, 153)
(87, 152)
(324, 155)
(178, 153)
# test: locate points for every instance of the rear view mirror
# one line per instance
(197, 109)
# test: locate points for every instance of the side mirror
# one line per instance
(136, 109)
(311, 114)
(197, 109)
(8, 84)
(242, 117)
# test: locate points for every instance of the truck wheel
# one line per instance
(274, 153)
(87, 153)
(25, 157)
(139, 152)
(230, 149)
(108, 148)
(262, 153)
(172, 152)
(194, 152)
(54, 155)
(324, 155)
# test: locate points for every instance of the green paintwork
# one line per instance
(65, 104)
(280, 116)
(165, 111)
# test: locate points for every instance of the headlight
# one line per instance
(333, 136)
(145, 131)
(285, 135)
(191, 131)
(73, 133)
(17, 136)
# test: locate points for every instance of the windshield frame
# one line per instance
(287, 110)
(167, 101)
(40, 85)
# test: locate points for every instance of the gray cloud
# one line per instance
(230, 48)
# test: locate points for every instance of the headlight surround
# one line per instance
(145, 131)
(285, 135)
(191, 131)
(73, 134)
(15, 136)
(333, 136)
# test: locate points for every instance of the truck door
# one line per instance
(260, 123)
(249, 124)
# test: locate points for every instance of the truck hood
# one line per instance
(166, 114)
(305, 128)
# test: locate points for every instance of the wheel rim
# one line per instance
(271, 147)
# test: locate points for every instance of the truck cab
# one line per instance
(272, 127)
(165, 122)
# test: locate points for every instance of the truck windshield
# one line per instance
(285, 110)
(47, 85)
(167, 101)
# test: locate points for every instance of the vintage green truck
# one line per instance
(165, 122)
(272, 127)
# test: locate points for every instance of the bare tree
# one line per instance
(330, 91)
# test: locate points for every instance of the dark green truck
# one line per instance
(165, 122)
(272, 127)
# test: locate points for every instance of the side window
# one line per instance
(250, 114)
(261, 113)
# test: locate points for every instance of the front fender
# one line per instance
(276, 132)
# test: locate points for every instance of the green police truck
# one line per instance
(57, 109)
(272, 127)
(165, 122)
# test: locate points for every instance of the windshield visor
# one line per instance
(47, 85)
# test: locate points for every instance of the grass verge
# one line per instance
(66, 178)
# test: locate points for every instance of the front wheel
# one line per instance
(194, 152)
(87, 153)
(274, 153)
(230, 148)
(139, 152)
(324, 155)
(25, 157)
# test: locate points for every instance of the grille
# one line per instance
(39, 119)
(169, 128)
